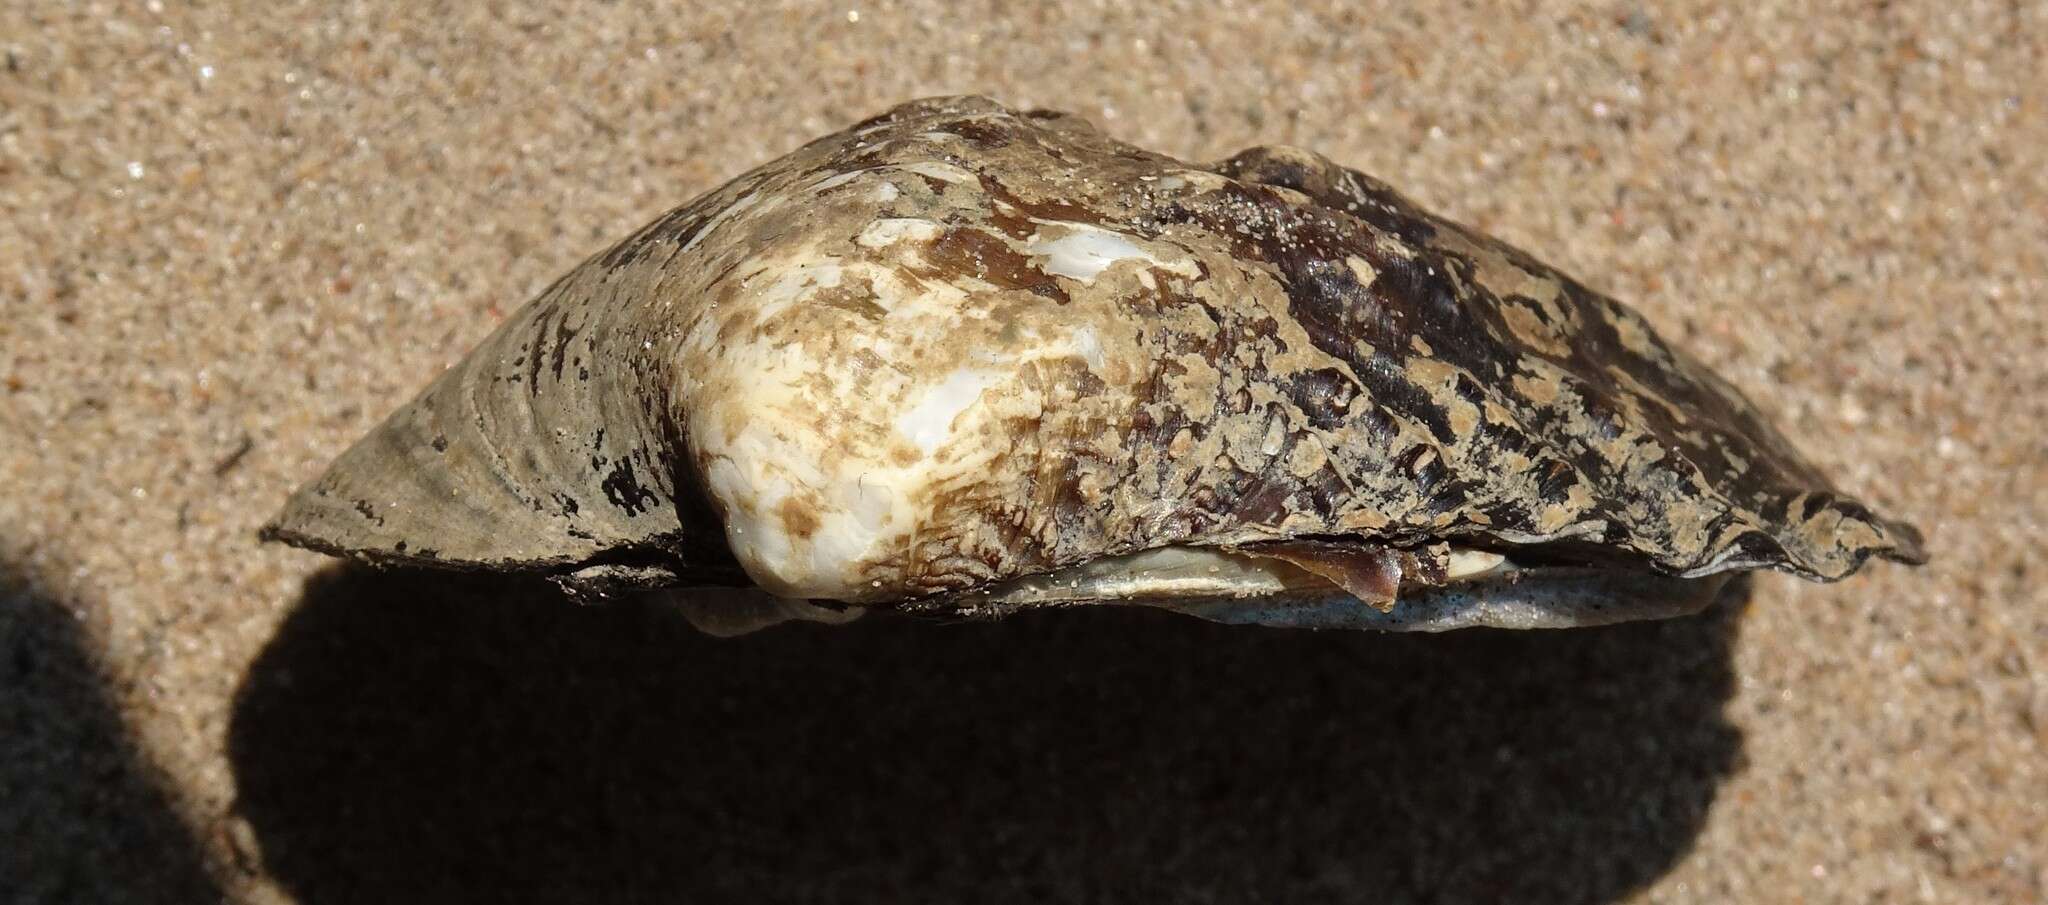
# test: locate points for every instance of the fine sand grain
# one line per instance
(231, 239)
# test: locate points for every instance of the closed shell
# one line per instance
(957, 348)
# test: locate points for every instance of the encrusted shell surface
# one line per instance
(956, 345)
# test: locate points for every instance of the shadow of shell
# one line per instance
(416, 736)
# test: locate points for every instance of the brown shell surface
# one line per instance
(956, 344)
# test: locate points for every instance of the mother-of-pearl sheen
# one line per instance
(1158, 577)
(1195, 572)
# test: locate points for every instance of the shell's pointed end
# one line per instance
(1861, 534)
(291, 528)
(287, 528)
(376, 510)
(284, 529)
(274, 532)
(1909, 546)
(1838, 542)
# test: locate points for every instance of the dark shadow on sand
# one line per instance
(413, 736)
(83, 816)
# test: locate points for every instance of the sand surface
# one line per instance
(231, 239)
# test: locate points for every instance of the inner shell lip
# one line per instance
(1294, 584)
(1290, 584)
(1372, 574)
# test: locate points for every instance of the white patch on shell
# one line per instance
(1464, 563)
(821, 467)
(769, 465)
(793, 284)
(930, 421)
(891, 230)
(1089, 347)
(1083, 252)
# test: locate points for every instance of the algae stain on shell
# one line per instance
(931, 360)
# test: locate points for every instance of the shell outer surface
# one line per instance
(956, 344)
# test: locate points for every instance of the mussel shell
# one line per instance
(957, 344)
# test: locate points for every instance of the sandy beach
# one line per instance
(233, 238)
